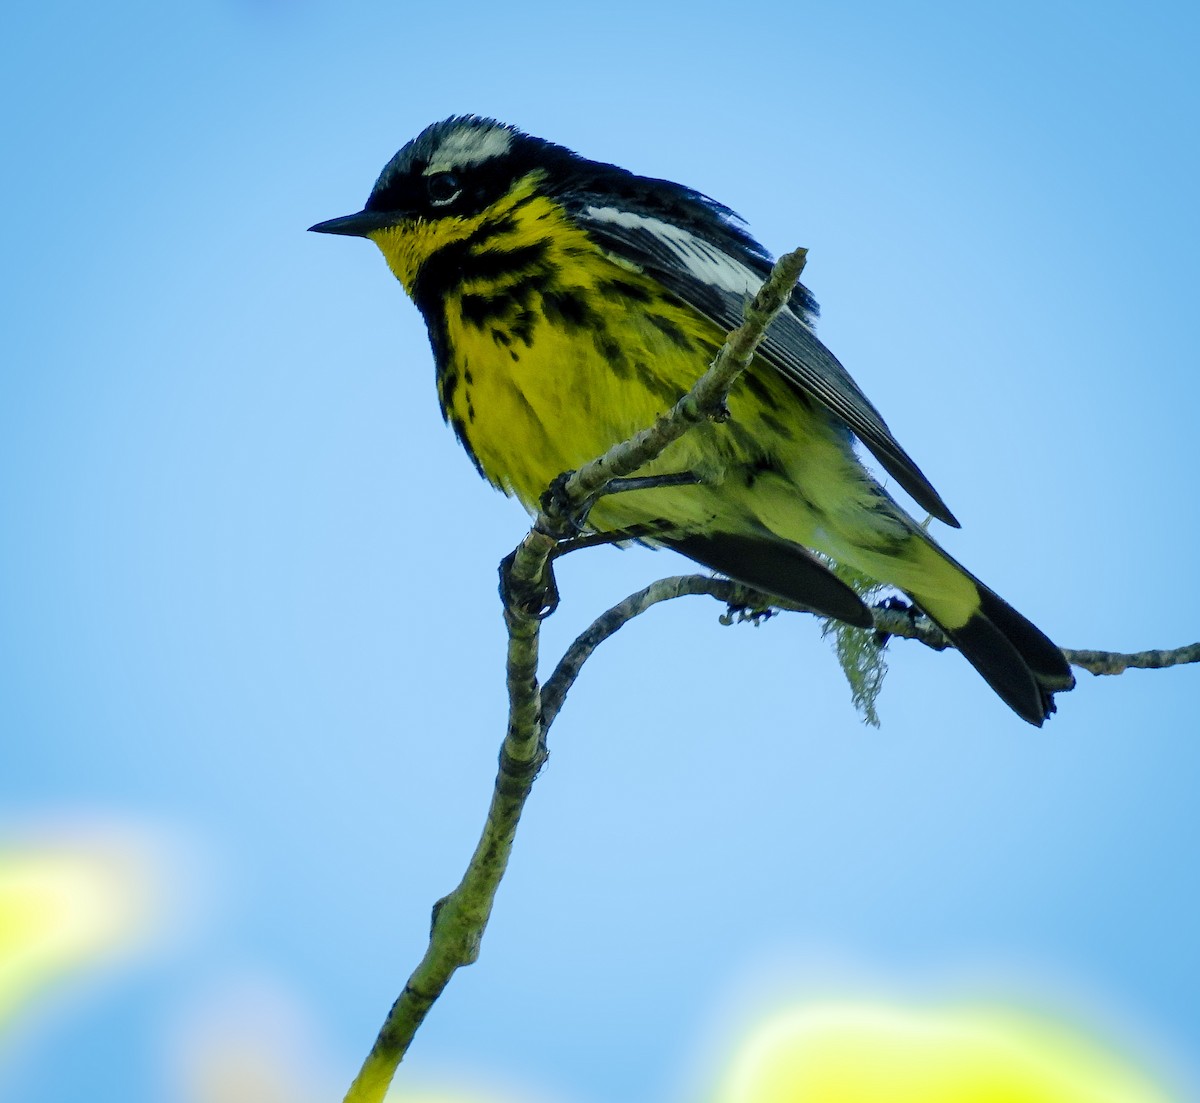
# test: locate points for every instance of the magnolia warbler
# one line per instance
(569, 302)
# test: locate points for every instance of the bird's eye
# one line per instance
(443, 188)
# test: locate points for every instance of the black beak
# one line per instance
(361, 224)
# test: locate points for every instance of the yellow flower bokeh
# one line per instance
(65, 906)
(875, 1053)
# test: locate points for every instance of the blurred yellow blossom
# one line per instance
(865, 1053)
(65, 905)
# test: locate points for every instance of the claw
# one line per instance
(538, 599)
(561, 511)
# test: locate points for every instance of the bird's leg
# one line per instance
(568, 519)
(615, 536)
(649, 482)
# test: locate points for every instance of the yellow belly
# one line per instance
(535, 401)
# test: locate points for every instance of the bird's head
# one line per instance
(440, 187)
(452, 169)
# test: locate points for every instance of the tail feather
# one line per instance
(1044, 657)
(1014, 656)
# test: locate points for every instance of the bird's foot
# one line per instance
(537, 599)
(564, 516)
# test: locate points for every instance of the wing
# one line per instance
(716, 281)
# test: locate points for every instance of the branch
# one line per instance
(905, 623)
(1114, 662)
(665, 589)
(527, 587)
(459, 919)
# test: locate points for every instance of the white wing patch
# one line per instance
(470, 146)
(703, 260)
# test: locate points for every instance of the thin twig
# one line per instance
(460, 918)
(907, 624)
(1113, 662)
(458, 923)
(665, 589)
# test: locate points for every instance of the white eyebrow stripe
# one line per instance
(702, 259)
(469, 147)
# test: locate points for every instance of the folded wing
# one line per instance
(715, 281)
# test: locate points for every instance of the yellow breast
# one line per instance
(549, 351)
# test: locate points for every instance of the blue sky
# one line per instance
(247, 579)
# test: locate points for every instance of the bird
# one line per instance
(569, 302)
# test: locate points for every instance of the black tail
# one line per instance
(1014, 656)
